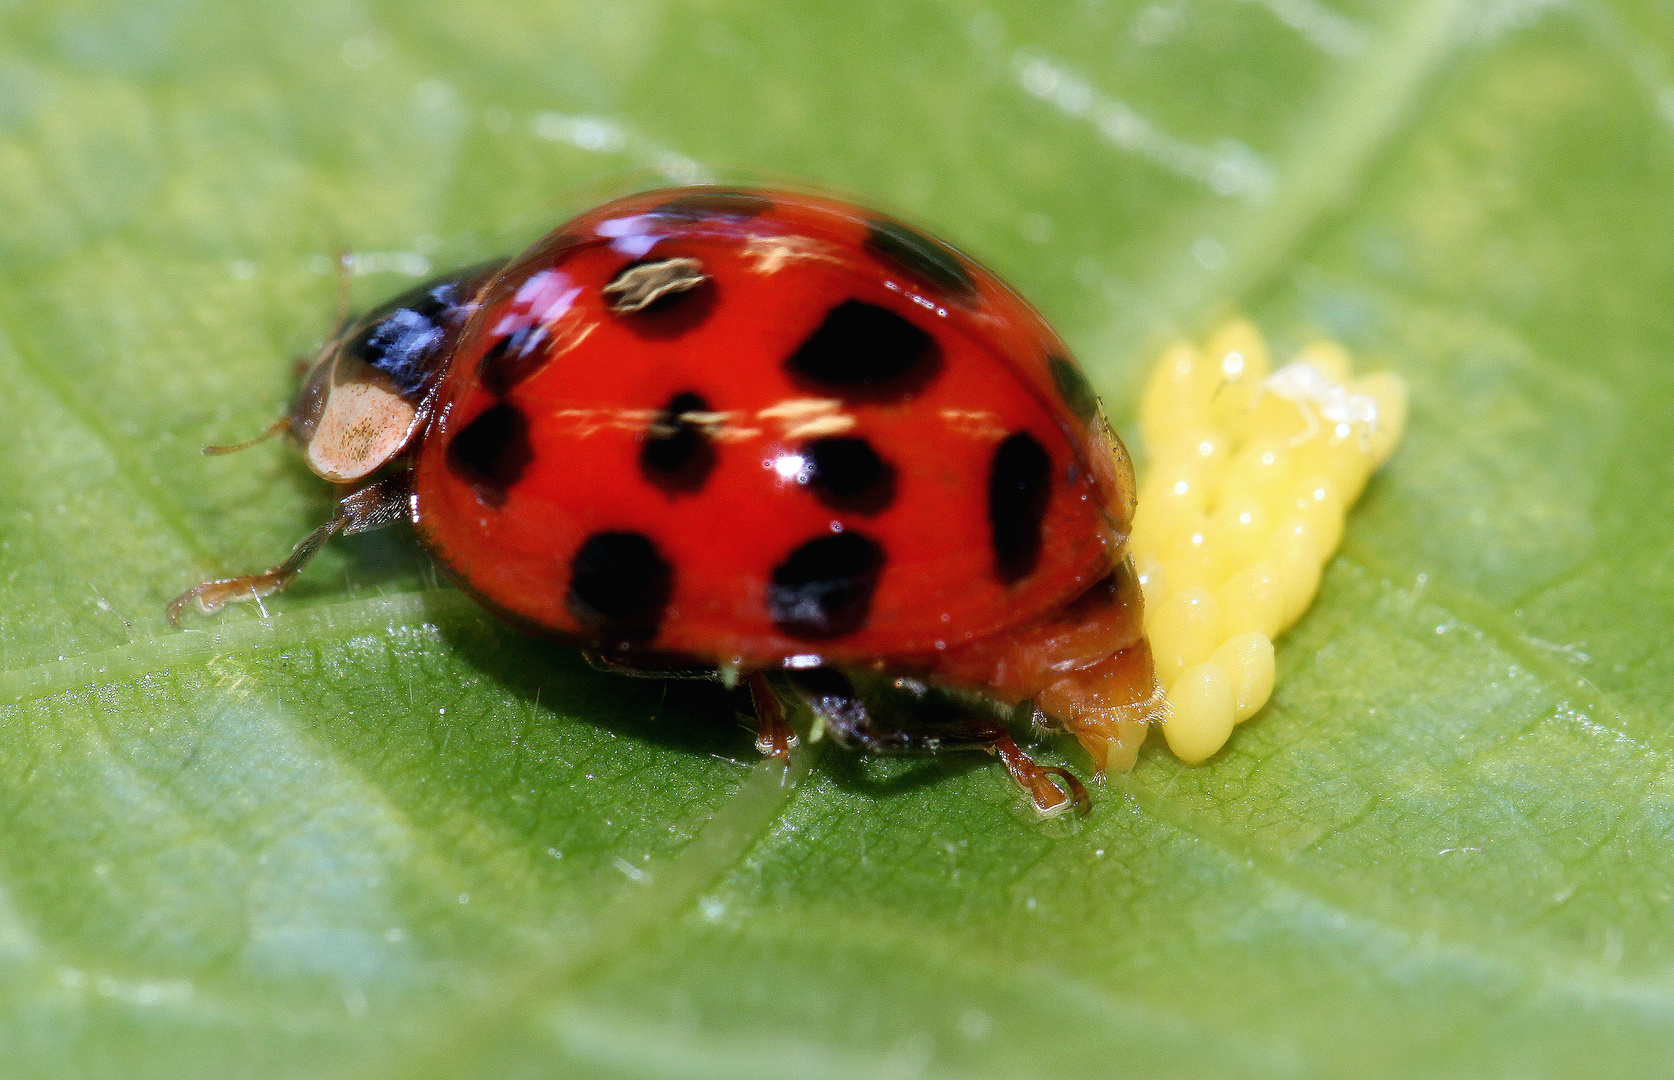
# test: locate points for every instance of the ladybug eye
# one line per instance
(639, 286)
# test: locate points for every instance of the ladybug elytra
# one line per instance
(763, 433)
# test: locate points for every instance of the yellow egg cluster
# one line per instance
(1251, 475)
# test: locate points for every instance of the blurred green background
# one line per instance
(377, 835)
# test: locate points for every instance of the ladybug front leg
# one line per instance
(372, 507)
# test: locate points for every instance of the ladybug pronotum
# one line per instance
(764, 434)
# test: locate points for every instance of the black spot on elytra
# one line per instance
(1019, 485)
(866, 352)
(491, 452)
(931, 261)
(672, 314)
(1073, 388)
(847, 474)
(513, 358)
(824, 588)
(619, 586)
(701, 204)
(678, 453)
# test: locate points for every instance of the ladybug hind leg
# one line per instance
(907, 717)
(372, 507)
(1049, 795)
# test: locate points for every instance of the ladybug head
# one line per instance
(363, 401)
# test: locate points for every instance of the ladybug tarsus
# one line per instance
(1049, 797)
(774, 735)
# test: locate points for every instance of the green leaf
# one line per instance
(373, 833)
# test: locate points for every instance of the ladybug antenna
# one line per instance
(279, 425)
(345, 276)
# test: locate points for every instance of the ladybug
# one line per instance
(764, 435)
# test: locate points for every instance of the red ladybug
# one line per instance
(760, 433)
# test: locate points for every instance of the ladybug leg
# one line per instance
(774, 736)
(372, 507)
(853, 722)
(1036, 779)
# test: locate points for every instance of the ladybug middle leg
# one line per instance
(906, 717)
(372, 507)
